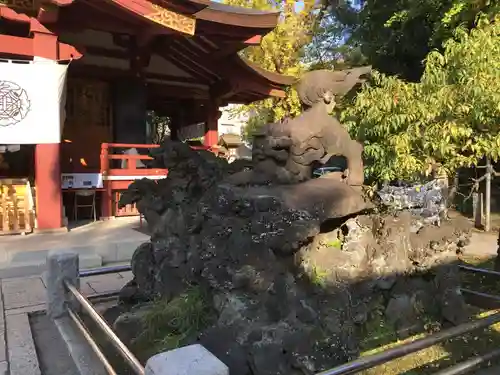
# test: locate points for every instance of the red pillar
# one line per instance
(211, 137)
(107, 196)
(47, 156)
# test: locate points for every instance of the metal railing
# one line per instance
(480, 299)
(374, 360)
(472, 297)
(122, 349)
(93, 345)
(100, 322)
(353, 367)
(104, 270)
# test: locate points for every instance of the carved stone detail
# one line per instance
(289, 151)
(172, 20)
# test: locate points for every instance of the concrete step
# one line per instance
(30, 263)
(118, 251)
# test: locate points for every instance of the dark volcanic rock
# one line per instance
(291, 285)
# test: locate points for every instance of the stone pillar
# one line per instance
(211, 136)
(192, 360)
(47, 156)
(61, 265)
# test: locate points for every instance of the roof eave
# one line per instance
(222, 14)
(273, 78)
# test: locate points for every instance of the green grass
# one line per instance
(337, 244)
(171, 324)
(429, 361)
(380, 338)
(318, 277)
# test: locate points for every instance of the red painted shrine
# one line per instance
(126, 58)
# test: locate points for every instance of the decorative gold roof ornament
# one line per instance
(172, 20)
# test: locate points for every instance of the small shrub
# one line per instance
(172, 324)
(318, 276)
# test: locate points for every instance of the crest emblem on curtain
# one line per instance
(14, 103)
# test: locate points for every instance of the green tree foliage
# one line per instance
(328, 49)
(452, 116)
(281, 51)
(255, 121)
(396, 35)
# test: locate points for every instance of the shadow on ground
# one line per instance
(450, 352)
(375, 336)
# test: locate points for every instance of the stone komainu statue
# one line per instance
(287, 152)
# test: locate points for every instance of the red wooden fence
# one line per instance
(116, 180)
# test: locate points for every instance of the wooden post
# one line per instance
(5, 211)
(211, 137)
(477, 208)
(47, 156)
(27, 209)
(106, 197)
(174, 126)
(487, 203)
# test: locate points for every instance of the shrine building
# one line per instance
(78, 79)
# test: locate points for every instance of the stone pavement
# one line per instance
(99, 243)
(21, 296)
(482, 244)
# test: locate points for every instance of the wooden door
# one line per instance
(87, 126)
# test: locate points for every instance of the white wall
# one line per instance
(229, 122)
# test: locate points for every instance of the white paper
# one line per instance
(81, 181)
(32, 102)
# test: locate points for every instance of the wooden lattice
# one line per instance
(128, 210)
(87, 126)
(17, 214)
(87, 103)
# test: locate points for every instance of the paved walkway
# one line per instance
(482, 244)
(22, 296)
(97, 233)
(99, 243)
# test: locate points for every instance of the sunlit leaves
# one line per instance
(451, 116)
(281, 51)
(396, 35)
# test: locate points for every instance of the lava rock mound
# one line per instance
(292, 291)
